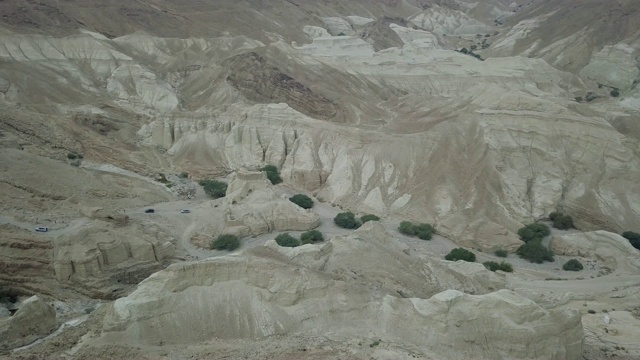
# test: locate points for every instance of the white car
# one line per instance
(185, 211)
(42, 229)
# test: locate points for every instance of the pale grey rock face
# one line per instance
(614, 251)
(34, 319)
(336, 290)
(614, 66)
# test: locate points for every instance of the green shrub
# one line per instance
(633, 237)
(422, 231)
(501, 253)
(226, 242)
(494, 266)
(535, 252)
(554, 215)
(311, 236)
(346, 220)
(287, 240)
(535, 231)
(561, 221)
(272, 174)
(72, 156)
(368, 217)
(302, 200)
(407, 228)
(460, 254)
(614, 93)
(214, 188)
(184, 175)
(572, 265)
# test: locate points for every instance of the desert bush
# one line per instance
(311, 236)
(535, 231)
(214, 188)
(561, 221)
(72, 156)
(460, 254)
(302, 200)
(287, 240)
(535, 252)
(501, 253)
(407, 228)
(422, 231)
(184, 175)
(614, 93)
(494, 266)
(368, 217)
(346, 220)
(633, 237)
(226, 242)
(572, 265)
(272, 174)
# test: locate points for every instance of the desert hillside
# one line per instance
(117, 119)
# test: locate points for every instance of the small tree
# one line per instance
(214, 188)
(535, 231)
(287, 240)
(460, 254)
(572, 265)
(535, 252)
(226, 242)
(368, 217)
(562, 222)
(633, 237)
(302, 200)
(501, 253)
(272, 174)
(614, 93)
(311, 236)
(346, 220)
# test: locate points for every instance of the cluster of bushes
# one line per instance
(422, 231)
(633, 237)
(533, 250)
(561, 221)
(348, 220)
(308, 237)
(460, 254)
(214, 188)
(226, 242)
(572, 265)
(302, 200)
(75, 159)
(494, 266)
(272, 174)
(470, 53)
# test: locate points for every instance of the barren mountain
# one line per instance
(478, 117)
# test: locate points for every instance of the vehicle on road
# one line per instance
(42, 229)
(149, 211)
(185, 211)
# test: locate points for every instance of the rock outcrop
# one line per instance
(264, 293)
(251, 207)
(95, 253)
(34, 319)
(614, 251)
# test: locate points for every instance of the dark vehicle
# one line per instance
(149, 211)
